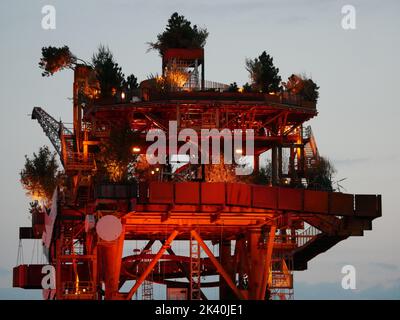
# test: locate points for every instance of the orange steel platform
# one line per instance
(263, 233)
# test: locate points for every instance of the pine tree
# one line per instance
(179, 33)
(108, 72)
(264, 75)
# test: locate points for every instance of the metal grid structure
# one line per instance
(276, 228)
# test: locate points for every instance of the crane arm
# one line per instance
(51, 127)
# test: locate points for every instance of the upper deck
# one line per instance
(205, 109)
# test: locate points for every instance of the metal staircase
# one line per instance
(311, 153)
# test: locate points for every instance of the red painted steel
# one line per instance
(265, 197)
(183, 54)
(290, 199)
(367, 205)
(238, 194)
(187, 193)
(161, 192)
(341, 204)
(316, 201)
(213, 193)
(28, 276)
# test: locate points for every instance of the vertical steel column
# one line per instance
(202, 76)
(280, 160)
(274, 163)
(267, 263)
(218, 266)
(225, 293)
(256, 262)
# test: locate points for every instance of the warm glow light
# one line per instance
(152, 171)
(157, 169)
(240, 89)
(239, 151)
(135, 149)
(122, 95)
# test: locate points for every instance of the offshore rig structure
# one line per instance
(263, 232)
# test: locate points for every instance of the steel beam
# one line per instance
(218, 266)
(152, 264)
(267, 263)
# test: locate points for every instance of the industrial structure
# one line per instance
(263, 232)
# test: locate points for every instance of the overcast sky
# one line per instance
(357, 126)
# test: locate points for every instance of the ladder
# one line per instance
(195, 269)
(147, 287)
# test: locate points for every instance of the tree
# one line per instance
(264, 175)
(131, 82)
(247, 87)
(320, 176)
(108, 72)
(310, 90)
(233, 87)
(264, 75)
(40, 175)
(116, 154)
(179, 33)
(301, 85)
(55, 59)
(221, 172)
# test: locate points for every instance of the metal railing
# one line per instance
(77, 287)
(306, 236)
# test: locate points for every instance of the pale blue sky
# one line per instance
(357, 128)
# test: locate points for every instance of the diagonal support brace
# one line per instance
(152, 264)
(218, 266)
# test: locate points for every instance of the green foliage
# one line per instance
(264, 175)
(116, 154)
(310, 90)
(247, 87)
(233, 87)
(179, 33)
(108, 72)
(264, 75)
(320, 177)
(40, 175)
(221, 172)
(55, 59)
(131, 82)
(131, 86)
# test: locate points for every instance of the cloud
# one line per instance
(4, 272)
(351, 161)
(385, 266)
(20, 294)
(334, 291)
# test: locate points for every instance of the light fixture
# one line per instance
(135, 149)
(123, 95)
(239, 151)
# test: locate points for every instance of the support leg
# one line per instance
(217, 265)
